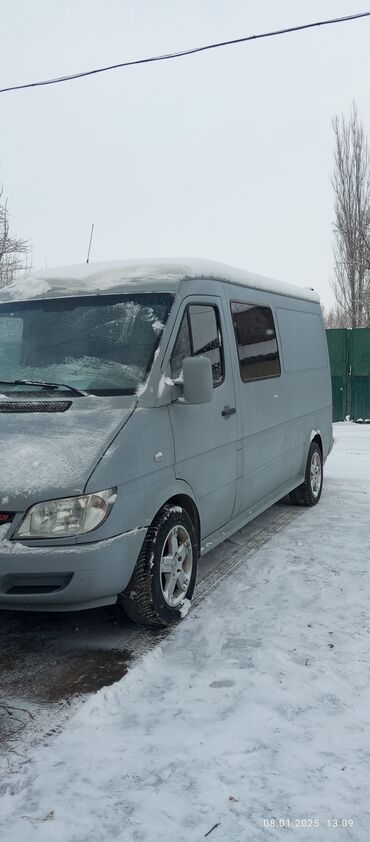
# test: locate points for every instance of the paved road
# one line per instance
(47, 661)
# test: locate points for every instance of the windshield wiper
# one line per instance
(44, 385)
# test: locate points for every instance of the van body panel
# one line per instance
(141, 460)
(278, 413)
(205, 441)
(45, 455)
(210, 471)
(241, 520)
(152, 446)
(262, 413)
(307, 378)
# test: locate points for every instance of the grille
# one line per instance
(34, 406)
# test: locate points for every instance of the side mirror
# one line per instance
(198, 380)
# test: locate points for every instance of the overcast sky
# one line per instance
(226, 155)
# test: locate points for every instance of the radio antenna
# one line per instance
(89, 249)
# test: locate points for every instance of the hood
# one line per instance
(45, 455)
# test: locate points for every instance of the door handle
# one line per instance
(227, 411)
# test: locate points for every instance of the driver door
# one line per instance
(205, 436)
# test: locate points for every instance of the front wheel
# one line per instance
(309, 493)
(166, 570)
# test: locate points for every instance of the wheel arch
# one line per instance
(186, 502)
(316, 436)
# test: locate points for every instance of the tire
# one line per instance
(166, 571)
(309, 493)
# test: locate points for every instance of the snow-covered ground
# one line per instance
(256, 709)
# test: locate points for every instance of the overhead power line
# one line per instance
(181, 53)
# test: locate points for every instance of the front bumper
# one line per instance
(69, 577)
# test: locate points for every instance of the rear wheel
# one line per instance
(309, 493)
(166, 570)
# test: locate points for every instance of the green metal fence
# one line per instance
(349, 352)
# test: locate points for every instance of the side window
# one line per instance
(256, 341)
(182, 347)
(199, 334)
(206, 336)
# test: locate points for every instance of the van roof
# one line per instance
(158, 274)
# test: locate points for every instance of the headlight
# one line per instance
(67, 517)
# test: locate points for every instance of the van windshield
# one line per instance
(101, 344)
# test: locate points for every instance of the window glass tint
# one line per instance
(256, 341)
(199, 334)
(182, 348)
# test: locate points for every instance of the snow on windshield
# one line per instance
(92, 343)
(79, 371)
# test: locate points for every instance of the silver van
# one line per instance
(148, 410)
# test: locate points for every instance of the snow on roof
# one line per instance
(164, 274)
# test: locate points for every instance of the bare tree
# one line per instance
(351, 184)
(14, 252)
(336, 317)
